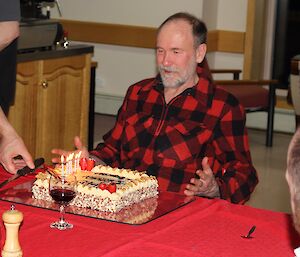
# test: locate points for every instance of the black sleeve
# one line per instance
(10, 10)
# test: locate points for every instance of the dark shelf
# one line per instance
(54, 52)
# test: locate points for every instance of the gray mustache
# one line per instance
(163, 68)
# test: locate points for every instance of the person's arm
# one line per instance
(228, 172)
(11, 146)
(9, 31)
(233, 166)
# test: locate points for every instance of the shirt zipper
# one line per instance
(164, 114)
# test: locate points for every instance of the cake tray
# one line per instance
(135, 214)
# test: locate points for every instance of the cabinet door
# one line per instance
(62, 104)
(22, 114)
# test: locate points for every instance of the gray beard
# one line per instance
(174, 84)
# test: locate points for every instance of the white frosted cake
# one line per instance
(103, 188)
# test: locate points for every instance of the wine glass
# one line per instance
(62, 190)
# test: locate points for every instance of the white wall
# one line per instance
(130, 12)
(225, 15)
(119, 67)
(232, 15)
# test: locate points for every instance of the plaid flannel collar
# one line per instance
(203, 91)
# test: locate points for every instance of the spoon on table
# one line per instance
(248, 236)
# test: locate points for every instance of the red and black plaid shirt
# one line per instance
(170, 140)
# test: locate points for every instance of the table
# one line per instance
(203, 228)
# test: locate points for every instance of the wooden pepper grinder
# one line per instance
(12, 220)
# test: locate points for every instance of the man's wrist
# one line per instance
(97, 160)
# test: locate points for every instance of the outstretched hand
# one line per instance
(206, 185)
(12, 146)
(79, 146)
(13, 152)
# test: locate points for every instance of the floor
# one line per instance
(270, 162)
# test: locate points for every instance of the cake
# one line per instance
(138, 213)
(103, 188)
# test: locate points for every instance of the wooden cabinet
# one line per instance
(52, 103)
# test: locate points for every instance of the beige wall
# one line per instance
(118, 66)
(225, 15)
(130, 12)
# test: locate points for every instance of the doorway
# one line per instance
(286, 40)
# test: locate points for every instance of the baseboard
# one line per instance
(107, 104)
(284, 120)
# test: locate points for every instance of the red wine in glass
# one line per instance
(62, 190)
(62, 196)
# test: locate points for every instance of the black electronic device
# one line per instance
(37, 30)
(39, 35)
(33, 9)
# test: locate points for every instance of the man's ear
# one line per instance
(200, 52)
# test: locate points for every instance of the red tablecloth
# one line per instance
(208, 228)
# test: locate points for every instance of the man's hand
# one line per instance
(79, 146)
(9, 30)
(11, 146)
(205, 186)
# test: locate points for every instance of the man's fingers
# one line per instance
(55, 160)
(197, 182)
(190, 190)
(206, 168)
(28, 160)
(206, 184)
(19, 165)
(78, 144)
(60, 152)
(12, 164)
(205, 164)
(194, 187)
(10, 167)
(81, 147)
(188, 193)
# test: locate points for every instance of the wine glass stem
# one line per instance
(62, 212)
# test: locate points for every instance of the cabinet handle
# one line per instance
(44, 84)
